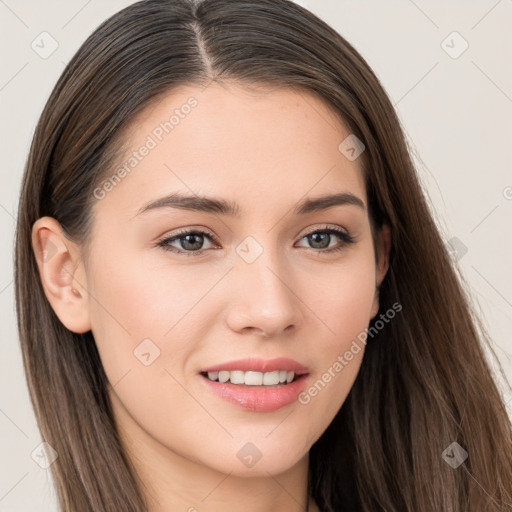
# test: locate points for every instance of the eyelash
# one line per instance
(164, 243)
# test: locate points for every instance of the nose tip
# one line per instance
(266, 305)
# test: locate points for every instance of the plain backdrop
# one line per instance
(446, 67)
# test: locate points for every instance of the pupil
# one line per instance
(325, 236)
(196, 245)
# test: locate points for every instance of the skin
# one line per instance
(266, 150)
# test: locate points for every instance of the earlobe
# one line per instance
(62, 274)
(382, 264)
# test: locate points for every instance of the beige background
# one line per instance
(457, 113)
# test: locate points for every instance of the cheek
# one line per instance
(133, 312)
(128, 306)
(139, 299)
(344, 304)
(342, 297)
(148, 318)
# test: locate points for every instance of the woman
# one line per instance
(249, 135)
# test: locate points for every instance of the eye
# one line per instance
(321, 239)
(192, 241)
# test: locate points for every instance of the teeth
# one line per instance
(271, 378)
(253, 378)
(236, 377)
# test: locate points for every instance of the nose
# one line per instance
(264, 300)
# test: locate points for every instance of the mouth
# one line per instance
(251, 393)
(254, 379)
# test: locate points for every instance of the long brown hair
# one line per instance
(424, 382)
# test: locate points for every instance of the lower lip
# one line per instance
(258, 398)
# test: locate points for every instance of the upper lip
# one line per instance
(260, 365)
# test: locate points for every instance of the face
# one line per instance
(269, 282)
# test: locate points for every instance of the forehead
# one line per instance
(258, 146)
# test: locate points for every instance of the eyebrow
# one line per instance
(224, 207)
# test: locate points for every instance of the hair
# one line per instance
(424, 382)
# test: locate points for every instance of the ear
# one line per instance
(382, 265)
(62, 274)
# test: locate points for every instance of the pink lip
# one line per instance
(259, 365)
(258, 398)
